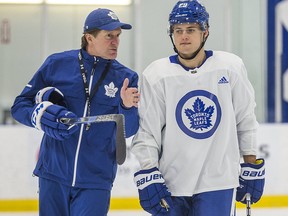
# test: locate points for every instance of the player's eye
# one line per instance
(190, 31)
(179, 31)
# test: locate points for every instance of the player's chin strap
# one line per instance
(193, 54)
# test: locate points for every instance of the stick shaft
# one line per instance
(248, 204)
(91, 119)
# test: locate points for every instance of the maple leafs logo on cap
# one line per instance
(112, 15)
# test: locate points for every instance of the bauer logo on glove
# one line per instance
(144, 180)
(153, 193)
(251, 174)
(252, 180)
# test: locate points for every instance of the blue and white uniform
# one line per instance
(196, 123)
(93, 165)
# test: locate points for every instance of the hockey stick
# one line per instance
(164, 204)
(120, 130)
(248, 204)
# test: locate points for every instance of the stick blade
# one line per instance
(120, 140)
(119, 119)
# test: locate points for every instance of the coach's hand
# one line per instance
(46, 117)
(129, 96)
(252, 180)
(153, 193)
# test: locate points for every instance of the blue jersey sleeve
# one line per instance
(24, 103)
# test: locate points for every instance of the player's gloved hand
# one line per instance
(51, 94)
(252, 180)
(153, 193)
(46, 117)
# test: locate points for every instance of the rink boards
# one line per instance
(19, 150)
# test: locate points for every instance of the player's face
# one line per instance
(187, 37)
(105, 44)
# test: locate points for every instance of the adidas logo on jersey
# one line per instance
(223, 80)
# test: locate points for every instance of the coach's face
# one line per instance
(104, 44)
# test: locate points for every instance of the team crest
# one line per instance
(110, 90)
(112, 15)
(198, 114)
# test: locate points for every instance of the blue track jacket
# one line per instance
(94, 165)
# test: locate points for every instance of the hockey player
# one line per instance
(76, 165)
(196, 122)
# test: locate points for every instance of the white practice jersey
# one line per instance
(195, 124)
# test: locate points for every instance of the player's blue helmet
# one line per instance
(189, 11)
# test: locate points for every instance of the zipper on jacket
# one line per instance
(82, 129)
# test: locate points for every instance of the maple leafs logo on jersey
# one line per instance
(198, 114)
(200, 118)
(110, 90)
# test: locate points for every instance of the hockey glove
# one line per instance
(153, 193)
(46, 117)
(252, 180)
(51, 94)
